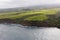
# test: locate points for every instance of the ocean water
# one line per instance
(19, 32)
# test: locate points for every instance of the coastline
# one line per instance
(30, 23)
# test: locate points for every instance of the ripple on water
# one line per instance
(16, 32)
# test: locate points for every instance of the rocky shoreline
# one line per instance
(30, 23)
(38, 24)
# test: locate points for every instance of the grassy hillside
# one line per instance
(32, 15)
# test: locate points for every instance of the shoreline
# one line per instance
(30, 23)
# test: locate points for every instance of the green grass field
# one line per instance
(34, 15)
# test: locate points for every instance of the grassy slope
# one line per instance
(38, 15)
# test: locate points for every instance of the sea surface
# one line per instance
(19, 32)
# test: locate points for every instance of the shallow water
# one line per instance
(18, 32)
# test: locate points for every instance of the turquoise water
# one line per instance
(19, 32)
